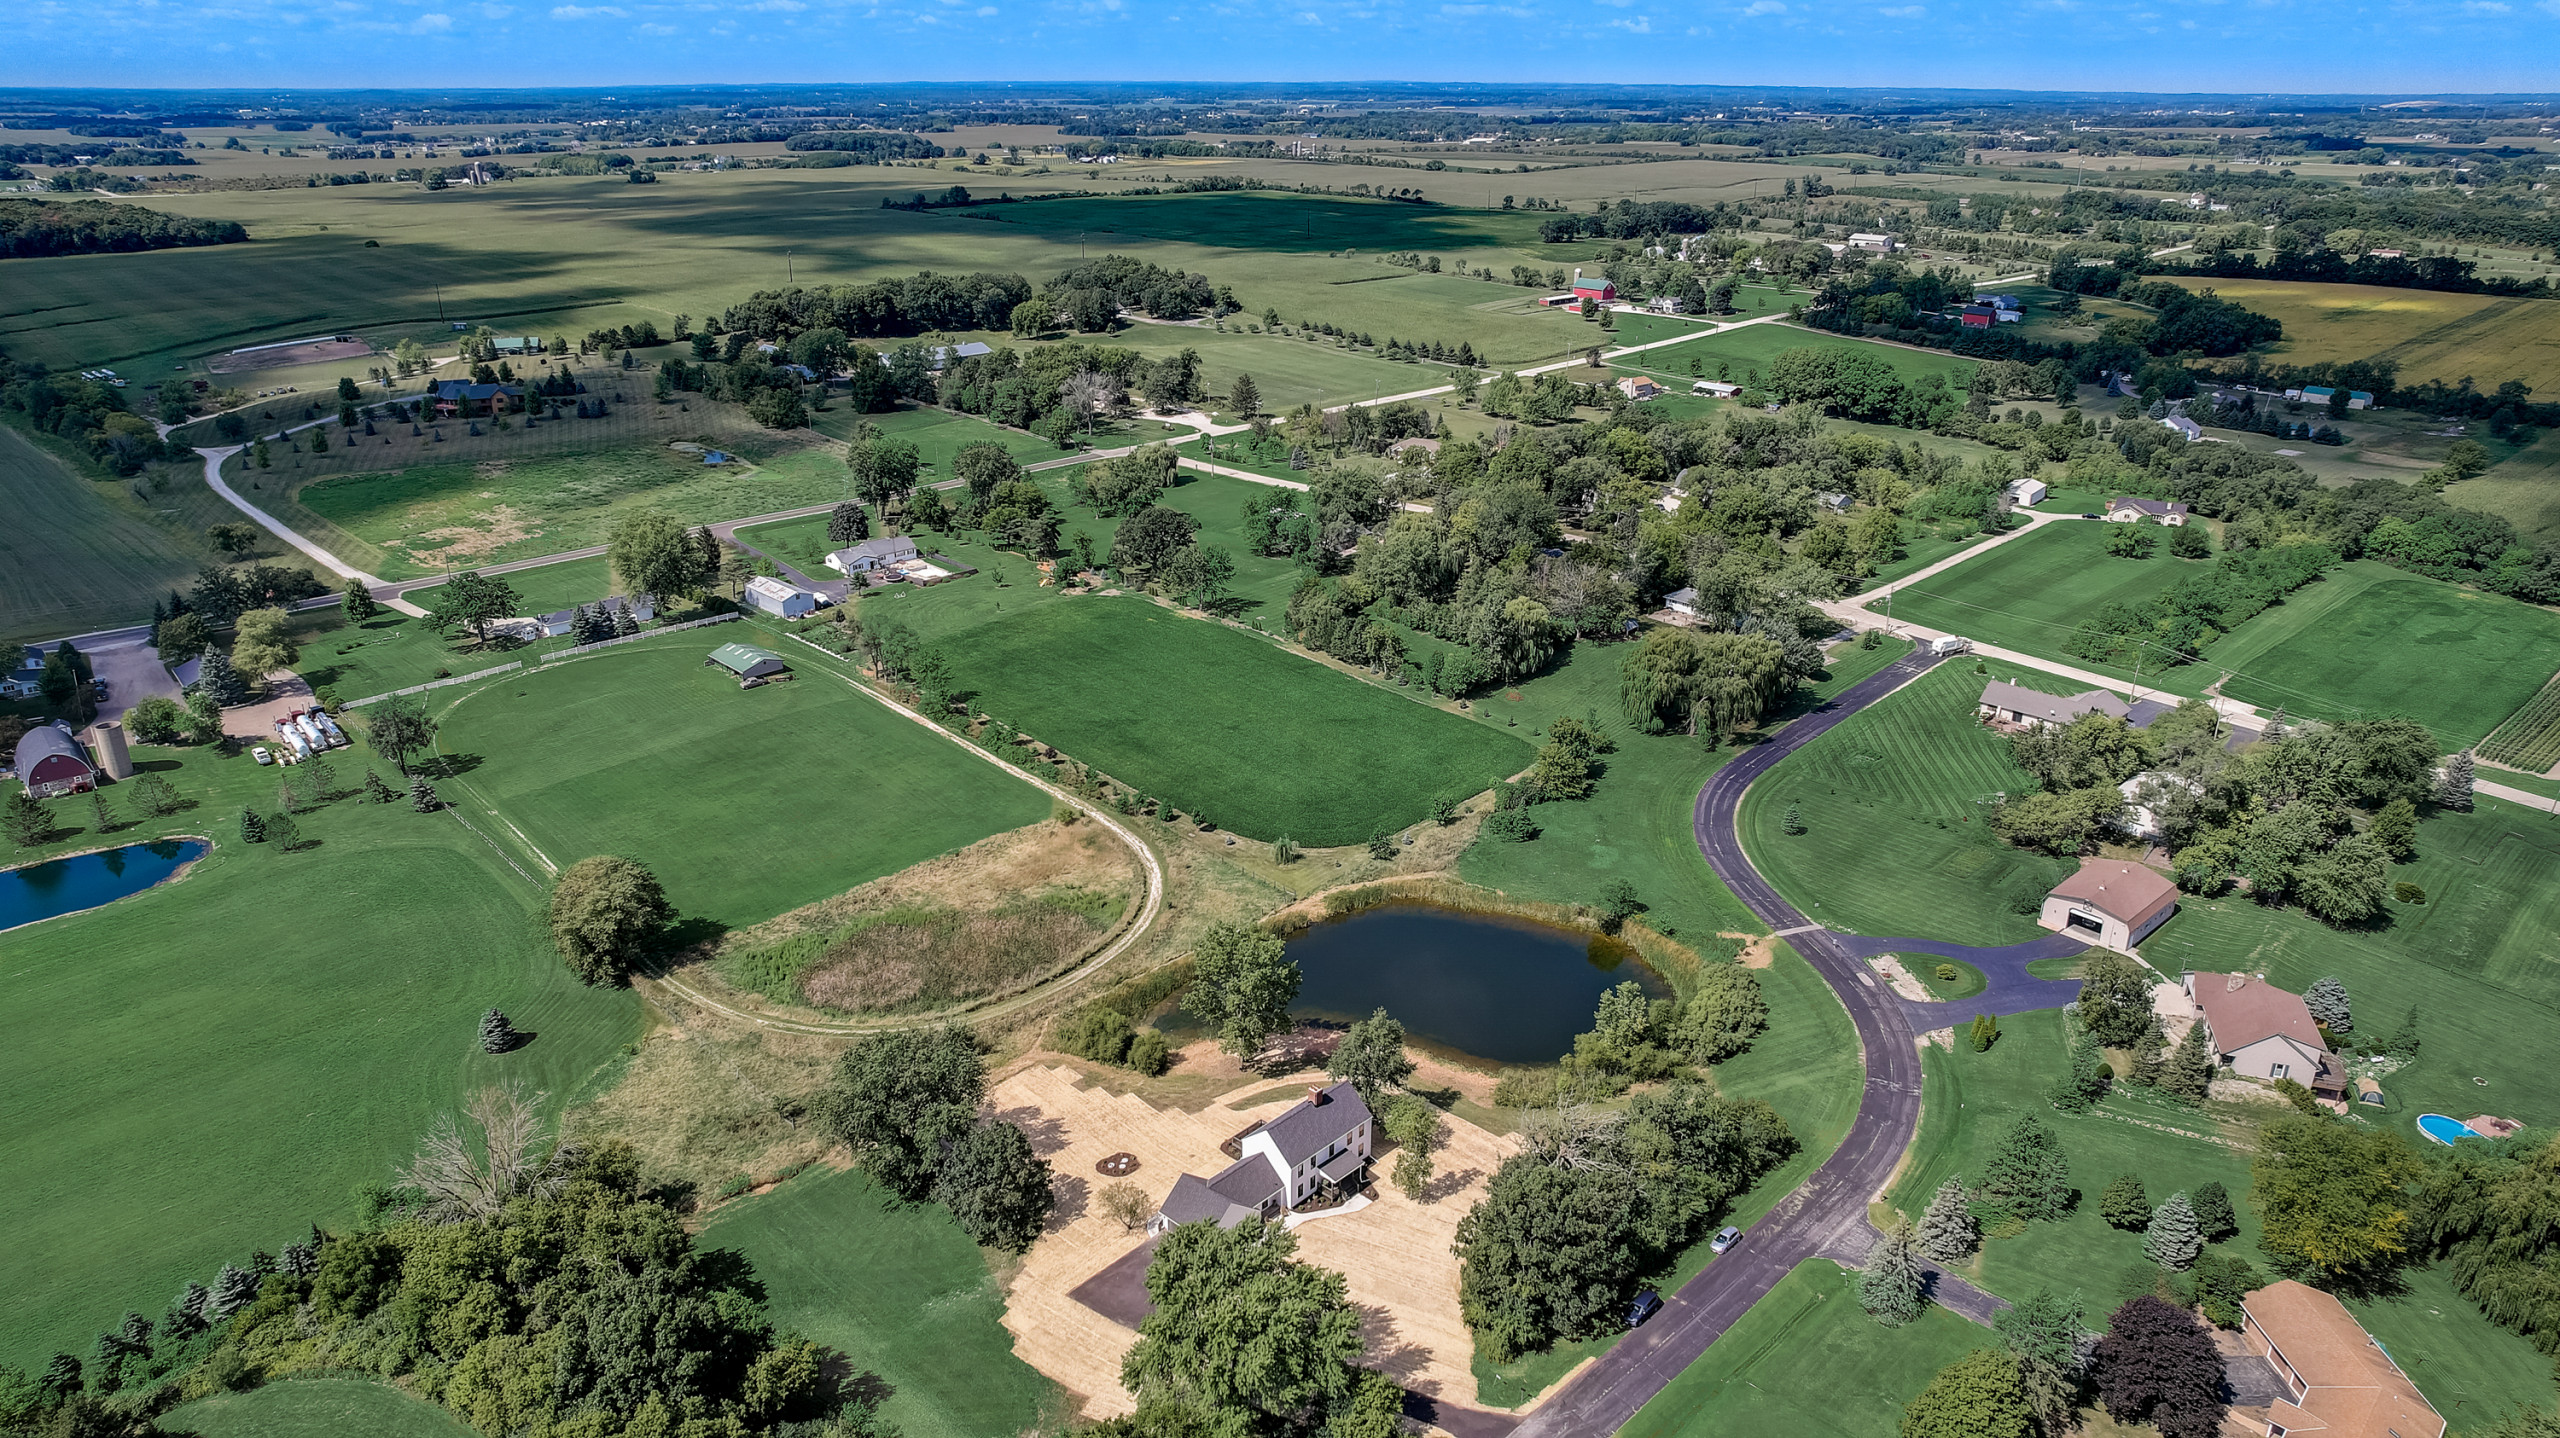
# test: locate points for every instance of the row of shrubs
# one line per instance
(1106, 1030)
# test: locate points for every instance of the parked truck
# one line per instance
(1946, 644)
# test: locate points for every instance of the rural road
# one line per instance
(1827, 1216)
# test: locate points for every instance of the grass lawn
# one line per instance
(210, 1067)
(937, 434)
(1896, 804)
(2524, 488)
(432, 518)
(2032, 592)
(2074, 501)
(79, 554)
(1264, 742)
(1832, 1371)
(2371, 640)
(1927, 544)
(1737, 354)
(1967, 982)
(1290, 370)
(897, 1289)
(1806, 1067)
(745, 803)
(394, 650)
(317, 1408)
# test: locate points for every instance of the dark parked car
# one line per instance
(1647, 1304)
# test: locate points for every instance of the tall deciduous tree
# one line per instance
(607, 914)
(2158, 1365)
(2330, 1197)
(1371, 1058)
(1240, 1327)
(399, 728)
(470, 603)
(996, 1187)
(899, 1098)
(1243, 982)
(1977, 1396)
(652, 554)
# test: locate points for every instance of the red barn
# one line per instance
(52, 763)
(1596, 289)
(1977, 317)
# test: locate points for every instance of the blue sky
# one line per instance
(2191, 45)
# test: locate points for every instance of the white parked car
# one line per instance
(261, 755)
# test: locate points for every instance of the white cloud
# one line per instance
(494, 12)
(1765, 7)
(2485, 7)
(1639, 25)
(1904, 12)
(584, 12)
(660, 30)
(431, 24)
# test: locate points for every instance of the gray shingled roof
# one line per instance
(2001, 694)
(1314, 1124)
(44, 742)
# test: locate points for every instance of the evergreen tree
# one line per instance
(61, 1377)
(2174, 1237)
(2150, 1056)
(2215, 1219)
(288, 798)
(2189, 1072)
(2124, 1205)
(2453, 786)
(233, 1289)
(2078, 1090)
(422, 795)
(220, 680)
(1792, 822)
(299, 1260)
(496, 1034)
(1984, 1032)
(2395, 829)
(28, 820)
(101, 816)
(155, 795)
(1890, 1285)
(2028, 1173)
(625, 623)
(2327, 1001)
(1244, 396)
(1948, 1233)
(375, 791)
(283, 832)
(253, 830)
(319, 779)
(2044, 1334)
(2404, 1039)
(185, 1318)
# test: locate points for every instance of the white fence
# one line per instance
(434, 684)
(580, 652)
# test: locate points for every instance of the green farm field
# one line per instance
(900, 1292)
(1810, 1324)
(746, 803)
(2523, 489)
(392, 650)
(1896, 804)
(1290, 370)
(2032, 591)
(2432, 335)
(248, 1045)
(80, 554)
(1744, 351)
(316, 1408)
(434, 518)
(1264, 742)
(937, 435)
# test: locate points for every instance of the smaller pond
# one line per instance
(1485, 987)
(66, 886)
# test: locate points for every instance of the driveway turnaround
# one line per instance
(2010, 988)
(1828, 1215)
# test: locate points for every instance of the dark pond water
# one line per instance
(66, 886)
(1505, 990)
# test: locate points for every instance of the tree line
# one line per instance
(90, 227)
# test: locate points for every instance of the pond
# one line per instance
(84, 881)
(1497, 989)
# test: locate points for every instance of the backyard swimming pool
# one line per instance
(2446, 1131)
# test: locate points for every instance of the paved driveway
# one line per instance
(2011, 989)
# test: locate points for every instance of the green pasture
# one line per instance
(1293, 369)
(1270, 221)
(1807, 1362)
(80, 554)
(394, 650)
(1735, 354)
(746, 803)
(316, 1408)
(208, 1068)
(432, 518)
(937, 435)
(1927, 544)
(1806, 1067)
(2465, 1364)
(1262, 741)
(1896, 804)
(900, 1292)
(2032, 591)
(2370, 640)
(2523, 489)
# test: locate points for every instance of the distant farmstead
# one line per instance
(51, 763)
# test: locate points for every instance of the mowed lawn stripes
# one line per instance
(1224, 725)
(1896, 804)
(746, 803)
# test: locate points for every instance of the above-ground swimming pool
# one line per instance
(2446, 1131)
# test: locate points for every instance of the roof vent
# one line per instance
(2233, 984)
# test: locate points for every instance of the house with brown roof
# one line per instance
(2110, 903)
(2334, 1380)
(2260, 1031)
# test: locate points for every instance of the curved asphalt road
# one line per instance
(1828, 1214)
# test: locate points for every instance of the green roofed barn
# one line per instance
(752, 665)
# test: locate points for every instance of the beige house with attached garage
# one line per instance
(2126, 509)
(2260, 1031)
(2110, 903)
(2332, 1379)
(1323, 1142)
